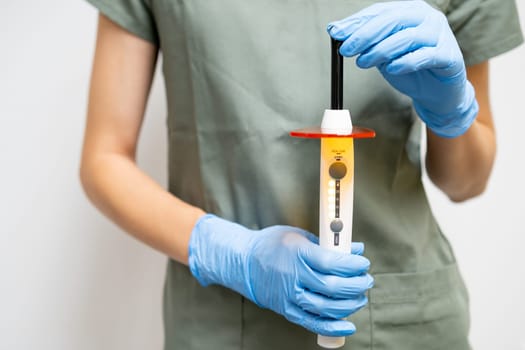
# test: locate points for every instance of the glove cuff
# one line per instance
(218, 253)
(193, 250)
(453, 124)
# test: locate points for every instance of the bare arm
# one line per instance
(461, 166)
(120, 83)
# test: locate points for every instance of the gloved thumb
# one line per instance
(358, 248)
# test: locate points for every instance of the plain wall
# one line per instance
(70, 279)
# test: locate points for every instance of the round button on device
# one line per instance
(336, 226)
(337, 170)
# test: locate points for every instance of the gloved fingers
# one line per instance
(334, 263)
(358, 248)
(424, 58)
(321, 305)
(376, 30)
(336, 287)
(395, 46)
(342, 29)
(317, 324)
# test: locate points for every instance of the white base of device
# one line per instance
(330, 342)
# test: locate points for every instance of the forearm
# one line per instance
(122, 74)
(138, 204)
(461, 166)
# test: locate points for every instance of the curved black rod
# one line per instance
(337, 75)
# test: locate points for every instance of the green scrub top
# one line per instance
(239, 76)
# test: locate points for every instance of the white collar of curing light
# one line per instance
(337, 121)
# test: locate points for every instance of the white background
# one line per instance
(69, 279)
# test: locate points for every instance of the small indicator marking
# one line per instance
(337, 197)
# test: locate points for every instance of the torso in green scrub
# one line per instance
(239, 76)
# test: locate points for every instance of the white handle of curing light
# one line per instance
(336, 201)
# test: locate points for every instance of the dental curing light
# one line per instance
(336, 204)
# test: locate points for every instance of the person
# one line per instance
(238, 218)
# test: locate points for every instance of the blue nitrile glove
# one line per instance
(283, 269)
(414, 48)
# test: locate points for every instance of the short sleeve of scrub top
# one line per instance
(484, 28)
(133, 15)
